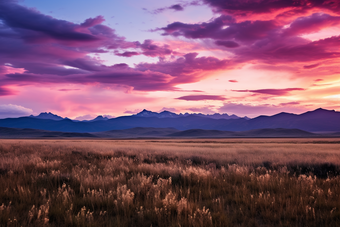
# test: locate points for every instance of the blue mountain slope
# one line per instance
(313, 121)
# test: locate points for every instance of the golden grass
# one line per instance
(199, 182)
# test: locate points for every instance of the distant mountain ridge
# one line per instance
(168, 114)
(319, 120)
(49, 115)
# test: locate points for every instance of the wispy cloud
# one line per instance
(202, 97)
(277, 92)
(11, 111)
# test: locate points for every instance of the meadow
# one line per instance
(184, 182)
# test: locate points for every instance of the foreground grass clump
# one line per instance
(169, 183)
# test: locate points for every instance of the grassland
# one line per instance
(222, 182)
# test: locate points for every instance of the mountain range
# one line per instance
(319, 120)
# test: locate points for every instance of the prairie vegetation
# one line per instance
(225, 182)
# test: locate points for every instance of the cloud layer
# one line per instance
(53, 51)
(202, 97)
(298, 37)
(277, 92)
(12, 111)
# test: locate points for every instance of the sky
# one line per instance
(82, 58)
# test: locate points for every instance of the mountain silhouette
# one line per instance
(48, 115)
(319, 120)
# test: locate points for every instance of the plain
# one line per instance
(167, 182)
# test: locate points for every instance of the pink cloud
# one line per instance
(265, 41)
(85, 117)
(252, 8)
(39, 50)
(310, 66)
(204, 110)
(260, 109)
(277, 92)
(65, 89)
(149, 48)
(92, 21)
(5, 91)
(311, 24)
(186, 69)
(174, 110)
(202, 97)
(289, 103)
(132, 111)
(57, 51)
(224, 29)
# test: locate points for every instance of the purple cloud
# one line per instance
(90, 22)
(269, 41)
(311, 66)
(5, 91)
(251, 7)
(312, 23)
(233, 81)
(177, 7)
(132, 111)
(227, 43)
(243, 109)
(36, 27)
(127, 54)
(162, 75)
(202, 97)
(289, 103)
(204, 110)
(277, 92)
(251, 110)
(153, 50)
(10, 110)
(186, 69)
(56, 51)
(65, 89)
(222, 29)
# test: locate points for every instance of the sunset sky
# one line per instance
(82, 58)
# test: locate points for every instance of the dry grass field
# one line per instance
(198, 182)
